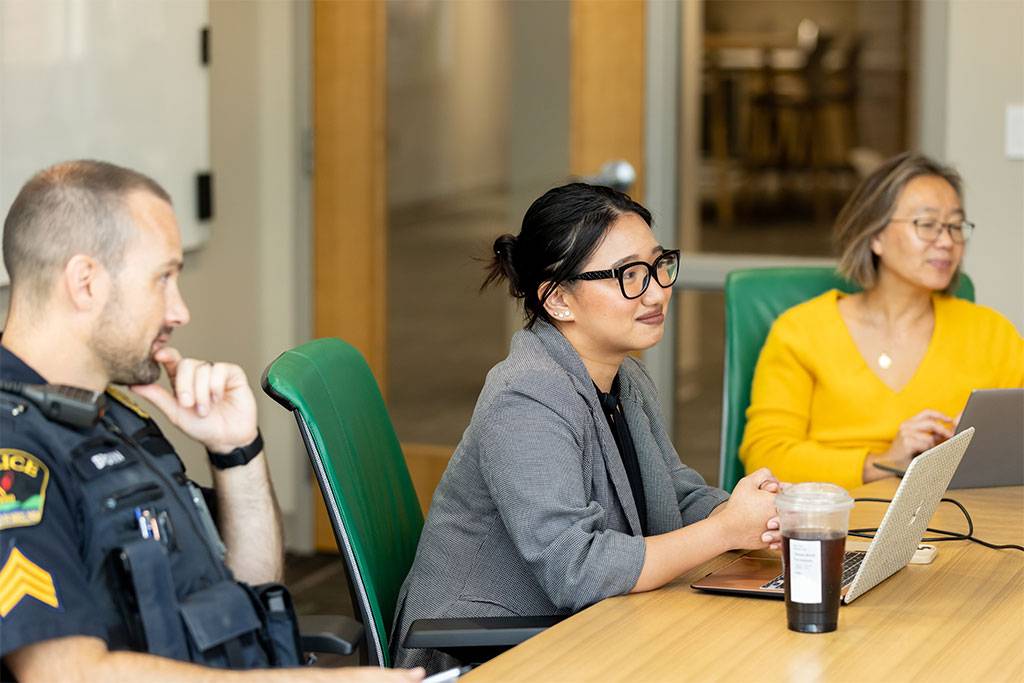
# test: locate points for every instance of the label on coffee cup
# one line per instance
(805, 571)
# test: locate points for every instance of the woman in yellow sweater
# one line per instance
(844, 381)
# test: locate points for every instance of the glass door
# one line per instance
(489, 104)
(785, 105)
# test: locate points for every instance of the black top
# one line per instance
(627, 451)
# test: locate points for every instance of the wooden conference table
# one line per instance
(960, 618)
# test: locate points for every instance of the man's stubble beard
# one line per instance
(126, 361)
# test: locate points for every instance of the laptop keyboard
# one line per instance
(851, 563)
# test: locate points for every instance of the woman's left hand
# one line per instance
(751, 519)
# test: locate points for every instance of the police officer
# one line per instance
(110, 566)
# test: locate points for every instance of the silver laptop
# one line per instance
(901, 529)
(996, 455)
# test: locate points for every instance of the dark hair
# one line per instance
(869, 209)
(75, 207)
(560, 231)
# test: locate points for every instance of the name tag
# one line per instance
(107, 459)
(99, 455)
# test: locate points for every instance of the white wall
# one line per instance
(972, 67)
(248, 288)
(63, 74)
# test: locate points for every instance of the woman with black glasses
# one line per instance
(565, 488)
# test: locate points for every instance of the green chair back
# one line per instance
(754, 298)
(362, 473)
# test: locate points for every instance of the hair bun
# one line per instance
(502, 267)
(503, 245)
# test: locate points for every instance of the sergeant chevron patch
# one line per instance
(22, 577)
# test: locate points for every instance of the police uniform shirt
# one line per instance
(103, 534)
(44, 587)
(55, 542)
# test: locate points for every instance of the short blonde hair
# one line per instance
(869, 209)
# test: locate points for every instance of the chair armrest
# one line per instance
(334, 634)
(479, 632)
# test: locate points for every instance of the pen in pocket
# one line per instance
(143, 523)
(149, 525)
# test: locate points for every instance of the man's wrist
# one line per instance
(228, 445)
(236, 457)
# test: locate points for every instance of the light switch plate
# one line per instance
(1015, 131)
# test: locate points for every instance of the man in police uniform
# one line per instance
(107, 554)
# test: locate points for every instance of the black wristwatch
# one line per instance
(240, 456)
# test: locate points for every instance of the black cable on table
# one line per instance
(869, 532)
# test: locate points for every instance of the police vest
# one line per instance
(154, 558)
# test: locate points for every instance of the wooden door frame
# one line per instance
(349, 189)
(606, 86)
(350, 176)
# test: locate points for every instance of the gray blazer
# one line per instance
(534, 514)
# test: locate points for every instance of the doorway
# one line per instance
(436, 124)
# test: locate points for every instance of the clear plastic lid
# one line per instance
(813, 497)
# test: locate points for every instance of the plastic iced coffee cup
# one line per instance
(813, 519)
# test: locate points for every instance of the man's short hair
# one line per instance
(74, 207)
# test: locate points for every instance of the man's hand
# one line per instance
(212, 402)
(374, 675)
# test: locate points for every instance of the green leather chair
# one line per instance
(754, 298)
(370, 499)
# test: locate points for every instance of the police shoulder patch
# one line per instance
(23, 480)
(123, 399)
(21, 578)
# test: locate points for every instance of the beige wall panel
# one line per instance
(985, 74)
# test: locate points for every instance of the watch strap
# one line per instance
(240, 456)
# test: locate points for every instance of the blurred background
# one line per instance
(362, 156)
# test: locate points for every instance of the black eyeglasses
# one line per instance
(929, 229)
(634, 277)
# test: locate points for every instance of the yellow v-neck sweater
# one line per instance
(817, 409)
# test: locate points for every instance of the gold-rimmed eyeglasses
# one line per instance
(929, 229)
